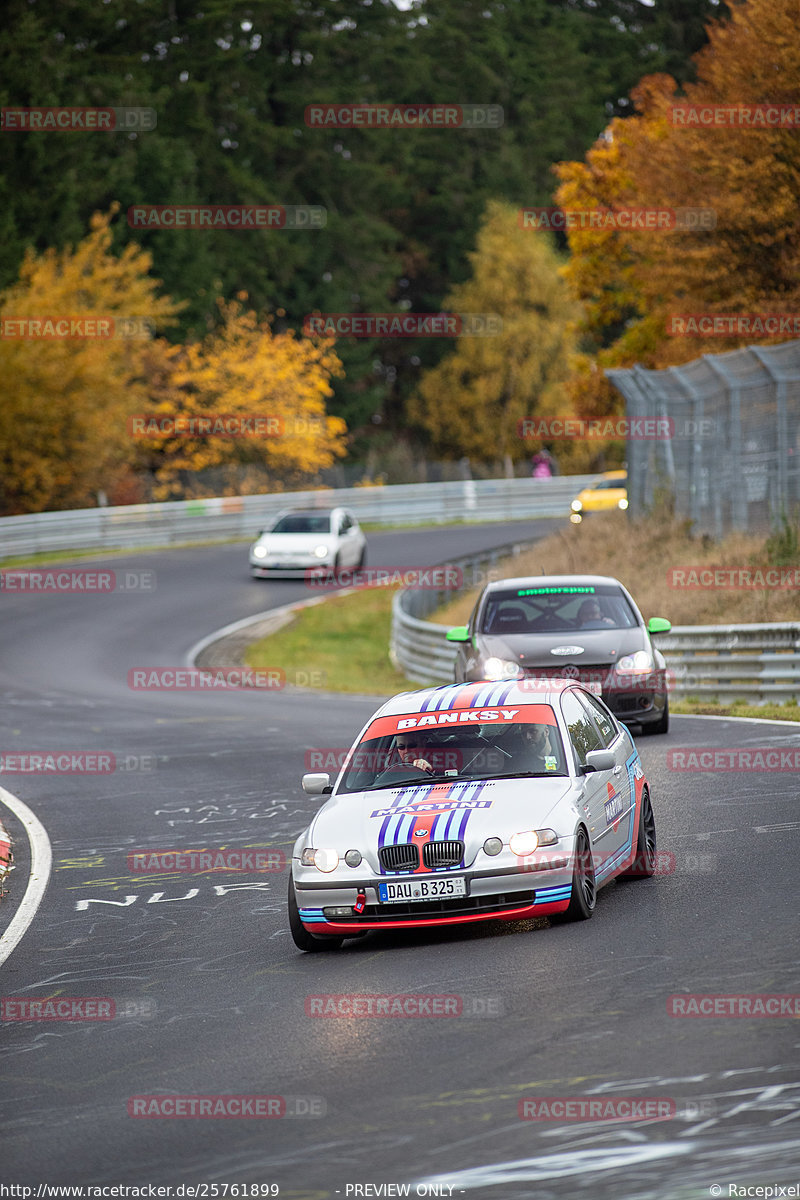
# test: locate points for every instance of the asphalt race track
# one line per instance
(211, 993)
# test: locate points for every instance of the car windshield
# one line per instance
(610, 483)
(559, 609)
(386, 757)
(303, 523)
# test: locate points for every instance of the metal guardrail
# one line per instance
(759, 663)
(229, 517)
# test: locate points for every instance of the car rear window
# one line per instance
(558, 609)
(528, 743)
(303, 523)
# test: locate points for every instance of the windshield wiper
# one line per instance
(527, 775)
(418, 780)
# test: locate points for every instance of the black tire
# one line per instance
(583, 899)
(644, 864)
(300, 935)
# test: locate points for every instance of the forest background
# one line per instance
(419, 221)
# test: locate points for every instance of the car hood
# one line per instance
(471, 810)
(295, 543)
(534, 649)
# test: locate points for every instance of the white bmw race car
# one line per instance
(472, 802)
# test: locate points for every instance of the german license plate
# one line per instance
(421, 889)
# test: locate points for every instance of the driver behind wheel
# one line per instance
(411, 748)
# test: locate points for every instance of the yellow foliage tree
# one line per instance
(471, 403)
(65, 400)
(240, 370)
(749, 176)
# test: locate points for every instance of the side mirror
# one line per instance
(600, 760)
(659, 625)
(460, 633)
(317, 783)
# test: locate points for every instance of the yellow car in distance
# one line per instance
(611, 492)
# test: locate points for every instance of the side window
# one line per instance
(582, 731)
(344, 523)
(602, 719)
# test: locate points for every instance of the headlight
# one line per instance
(639, 663)
(326, 860)
(492, 846)
(575, 518)
(576, 505)
(323, 860)
(622, 503)
(523, 844)
(259, 552)
(353, 858)
(500, 668)
(320, 551)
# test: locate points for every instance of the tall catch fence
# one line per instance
(731, 457)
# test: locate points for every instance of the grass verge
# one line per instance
(738, 708)
(345, 640)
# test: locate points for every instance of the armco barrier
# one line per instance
(224, 518)
(758, 663)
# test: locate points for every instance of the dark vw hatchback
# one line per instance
(581, 627)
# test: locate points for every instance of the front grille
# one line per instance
(462, 906)
(442, 854)
(599, 673)
(404, 857)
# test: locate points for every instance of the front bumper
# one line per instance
(287, 567)
(536, 889)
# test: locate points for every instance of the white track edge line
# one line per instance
(41, 862)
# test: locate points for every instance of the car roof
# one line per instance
(473, 695)
(528, 581)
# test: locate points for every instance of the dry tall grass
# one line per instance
(641, 555)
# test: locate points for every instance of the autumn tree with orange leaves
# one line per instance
(80, 365)
(73, 329)
(240, 370)
(633, 282)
